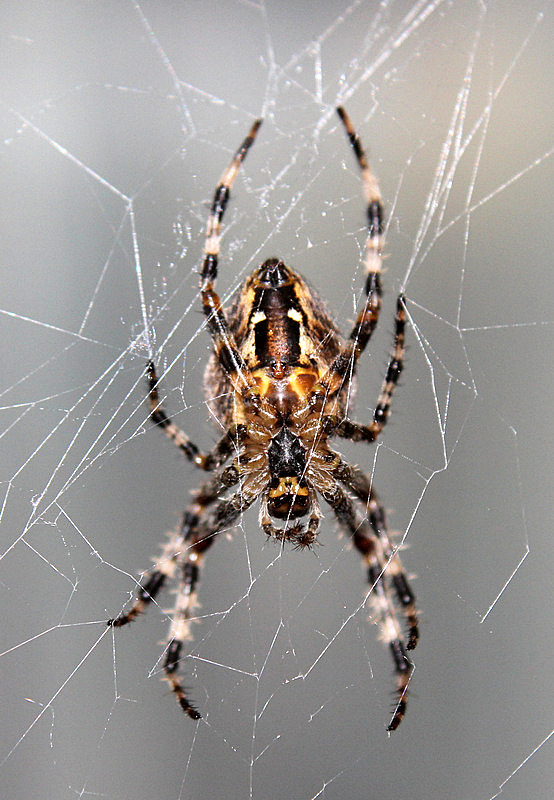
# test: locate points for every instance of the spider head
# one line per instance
(288, 498)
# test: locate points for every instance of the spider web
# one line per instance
(117, 120)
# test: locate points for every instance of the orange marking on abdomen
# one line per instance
(289, 391)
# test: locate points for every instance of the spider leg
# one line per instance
(202, 527)
(346, 360)
(368, 317)
(185, 551)
(180, 630)
(147, 592)
(307, 537)
(369, 546)
(172, 550)
(359, 483)
(347, 429)
(394, 368)
(219, 204)
(224, 341)
(207, 461)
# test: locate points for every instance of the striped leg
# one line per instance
(369, 433)
(199, 536)
(368, 317)
(147, 592)
(394, 368)
(360, 484)
(221, 198)
(228, 444)
(345, 362)
(224, 342)
(184, 552)
(173, 549)
(370, 548)
(180, 629)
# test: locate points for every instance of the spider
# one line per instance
(278, 380)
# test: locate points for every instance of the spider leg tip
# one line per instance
(117, 622)
(191, 711)
(255, 128)
(397, 717)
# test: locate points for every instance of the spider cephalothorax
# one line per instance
(278, 381)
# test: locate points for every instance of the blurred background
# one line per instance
(117, 120)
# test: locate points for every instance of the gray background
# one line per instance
(117, 120)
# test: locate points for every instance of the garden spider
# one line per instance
(278, 380)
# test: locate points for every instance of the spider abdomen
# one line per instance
(275, 317)
(285, 336)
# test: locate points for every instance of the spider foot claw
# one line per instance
(123, 619)
(190, 710)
